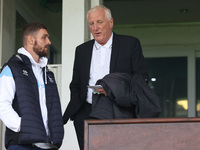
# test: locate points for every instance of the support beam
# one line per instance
(7, 30)
(7, 42)
(74, 32)
(72, 35)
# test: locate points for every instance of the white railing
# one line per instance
(57, 70)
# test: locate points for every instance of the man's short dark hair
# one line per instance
(31, 29)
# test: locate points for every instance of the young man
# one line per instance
(29, 100)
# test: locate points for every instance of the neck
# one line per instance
(33, 54)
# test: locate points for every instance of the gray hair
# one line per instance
(107, 11)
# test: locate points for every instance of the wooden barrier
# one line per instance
(142, 134)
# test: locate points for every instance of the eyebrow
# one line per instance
(46, 35)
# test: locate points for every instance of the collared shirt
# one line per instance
(100, 64)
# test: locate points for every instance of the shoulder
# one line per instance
(16, 58)
(84, 48)
(124, 37)
(16, 64)
(14, 61)
(6, 72)
(86, 44)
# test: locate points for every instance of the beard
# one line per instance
(39, 50)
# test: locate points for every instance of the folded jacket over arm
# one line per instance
(129, 96)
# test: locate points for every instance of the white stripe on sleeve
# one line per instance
(7, 92)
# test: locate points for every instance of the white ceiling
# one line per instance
(154, 11)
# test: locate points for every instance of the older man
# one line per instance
(107, 53)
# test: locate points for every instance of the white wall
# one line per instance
(73, 34)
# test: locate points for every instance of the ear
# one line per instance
(30, 40)
(111, 23)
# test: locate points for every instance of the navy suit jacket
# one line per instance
(126, 56)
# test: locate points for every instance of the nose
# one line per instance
(49, 42)
(96, 27)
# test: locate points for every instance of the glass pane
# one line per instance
(51, 17)
(198, 85)
(168, 78)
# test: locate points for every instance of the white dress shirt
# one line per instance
(100, 64)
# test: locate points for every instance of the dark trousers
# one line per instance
(25, 147)
(81, 115)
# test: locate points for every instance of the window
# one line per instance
(168, 78)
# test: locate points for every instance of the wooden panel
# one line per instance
(143, 134)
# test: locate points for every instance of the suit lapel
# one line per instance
(114, 53)
(88, 57)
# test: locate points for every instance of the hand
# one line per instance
(101, 91)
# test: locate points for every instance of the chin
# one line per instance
(100, 41)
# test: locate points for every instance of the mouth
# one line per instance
(46, 47)
(98, 33)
